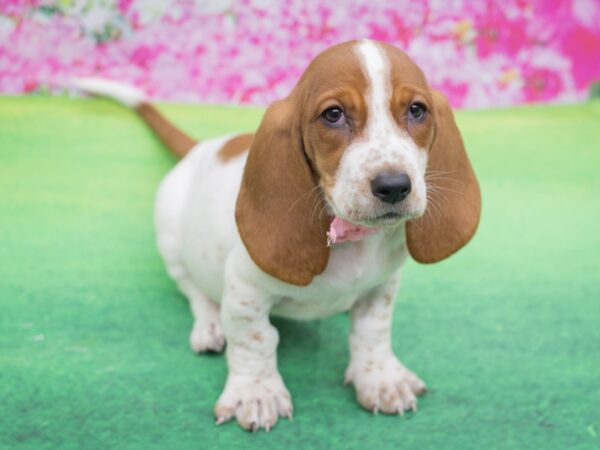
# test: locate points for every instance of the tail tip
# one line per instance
(126, 94)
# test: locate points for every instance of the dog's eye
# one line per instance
(334, 116)
(417, 111)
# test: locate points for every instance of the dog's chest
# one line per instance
(353, 270)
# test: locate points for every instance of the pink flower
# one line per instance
(540, 84)
(124, 5)
(16, 8)
(583, 47)
(498, 34)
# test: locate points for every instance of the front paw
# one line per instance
(256, 402)
(385, 386)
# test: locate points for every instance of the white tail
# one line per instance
(125, 94)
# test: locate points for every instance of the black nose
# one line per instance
(391, 187)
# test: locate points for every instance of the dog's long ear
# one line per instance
(278, 210)
(454, 203)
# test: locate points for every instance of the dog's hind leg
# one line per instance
(206, 334)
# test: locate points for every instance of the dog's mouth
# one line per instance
(385, 219)
(390, 218)
(392, 215)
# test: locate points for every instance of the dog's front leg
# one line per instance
(254, 392)
(381, 381)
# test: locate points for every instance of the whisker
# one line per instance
(444, 179)
(307, 193)
(439, 172)
(315, 207)
(438, 194)
(447, 189)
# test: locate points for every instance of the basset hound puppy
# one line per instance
(360, 166)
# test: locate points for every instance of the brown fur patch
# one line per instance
(276, 200)
(334, 78)
(235, 146)
(293, 154)
(447, 228)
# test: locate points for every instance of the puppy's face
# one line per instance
(366, 127)
(360, 129)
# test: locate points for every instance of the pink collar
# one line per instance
(341, 231)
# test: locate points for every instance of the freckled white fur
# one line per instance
(383, 147)
(232, 298)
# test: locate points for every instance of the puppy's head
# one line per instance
(363, 137)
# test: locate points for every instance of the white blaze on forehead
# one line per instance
(377, 70)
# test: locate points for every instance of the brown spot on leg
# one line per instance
(257, 337)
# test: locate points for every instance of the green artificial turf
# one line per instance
(93, 334)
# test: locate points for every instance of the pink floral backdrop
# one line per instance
(480, 53)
